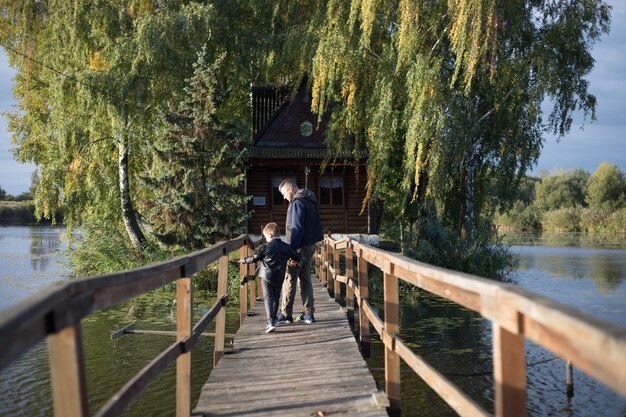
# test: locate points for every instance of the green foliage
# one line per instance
(617, 222)
(3, 194)
(562, 220)
(417, 84)
(566, 189)
(595, 220)
(607, 188)
(99, 249)
(22, 213)
(486, 257)
(206, 278)
(558, 204)
(17, 213)
(196, 173)
(93, 81)
(446, 96)
(521, 217)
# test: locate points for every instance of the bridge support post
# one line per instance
(509, 371)
(392, 328)
(67, 373)
(364, 323)
(350, 277)
(220, 320)
(184, 324)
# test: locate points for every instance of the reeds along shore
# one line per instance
(22, 213)
(569, 219)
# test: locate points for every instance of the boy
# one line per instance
(274, 256)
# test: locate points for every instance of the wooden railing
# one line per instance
(57, 312)
(596, 347)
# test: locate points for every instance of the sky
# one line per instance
(586, 146)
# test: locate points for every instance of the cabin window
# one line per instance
(331, 191)
(277, 197)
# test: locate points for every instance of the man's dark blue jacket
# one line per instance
(273, 256)
(303, 227)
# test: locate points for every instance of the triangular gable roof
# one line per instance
(289, 120)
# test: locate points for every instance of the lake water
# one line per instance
(584, 273)
(30, 258)
(456, 341)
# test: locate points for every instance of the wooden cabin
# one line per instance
(290, 143)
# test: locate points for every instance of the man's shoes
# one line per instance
(280, 319)
(270, 327)
(307, 318)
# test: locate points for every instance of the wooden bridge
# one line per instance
(317, 370)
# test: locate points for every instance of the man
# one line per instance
(302, 231)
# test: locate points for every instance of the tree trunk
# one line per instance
(469, 197)
(133, 230)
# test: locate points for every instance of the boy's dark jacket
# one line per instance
(303, 227)
(273, 256)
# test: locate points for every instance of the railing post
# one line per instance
(67, 373)
(184, 325)
(350, 276)
(509, 371)
(220, 320)
(337, 283)
(364, 323)
(392, 327)
(323, 264)
(252, 288)
(244, 270)
(327, 276)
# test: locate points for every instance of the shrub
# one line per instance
(594, 220)
(521, 217)
(617, 222)
(562, 220)
(485, 256)
(99, 249)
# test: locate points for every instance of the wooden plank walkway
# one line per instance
(297, 370)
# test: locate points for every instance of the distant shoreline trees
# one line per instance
(570, 201)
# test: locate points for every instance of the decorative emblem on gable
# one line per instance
(306, 129)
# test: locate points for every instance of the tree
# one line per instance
(90, 81)
(606, 188)
(562, 190)
(197, 169)
(452, 90)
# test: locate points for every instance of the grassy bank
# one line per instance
(21, 213)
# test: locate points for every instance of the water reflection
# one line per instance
(566, 240)
(42, 245)
(29, 261)
(458, 342)
(606, 268)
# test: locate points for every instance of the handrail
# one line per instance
(595, 346)
(57, 311)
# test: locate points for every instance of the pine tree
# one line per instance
(197, 167)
